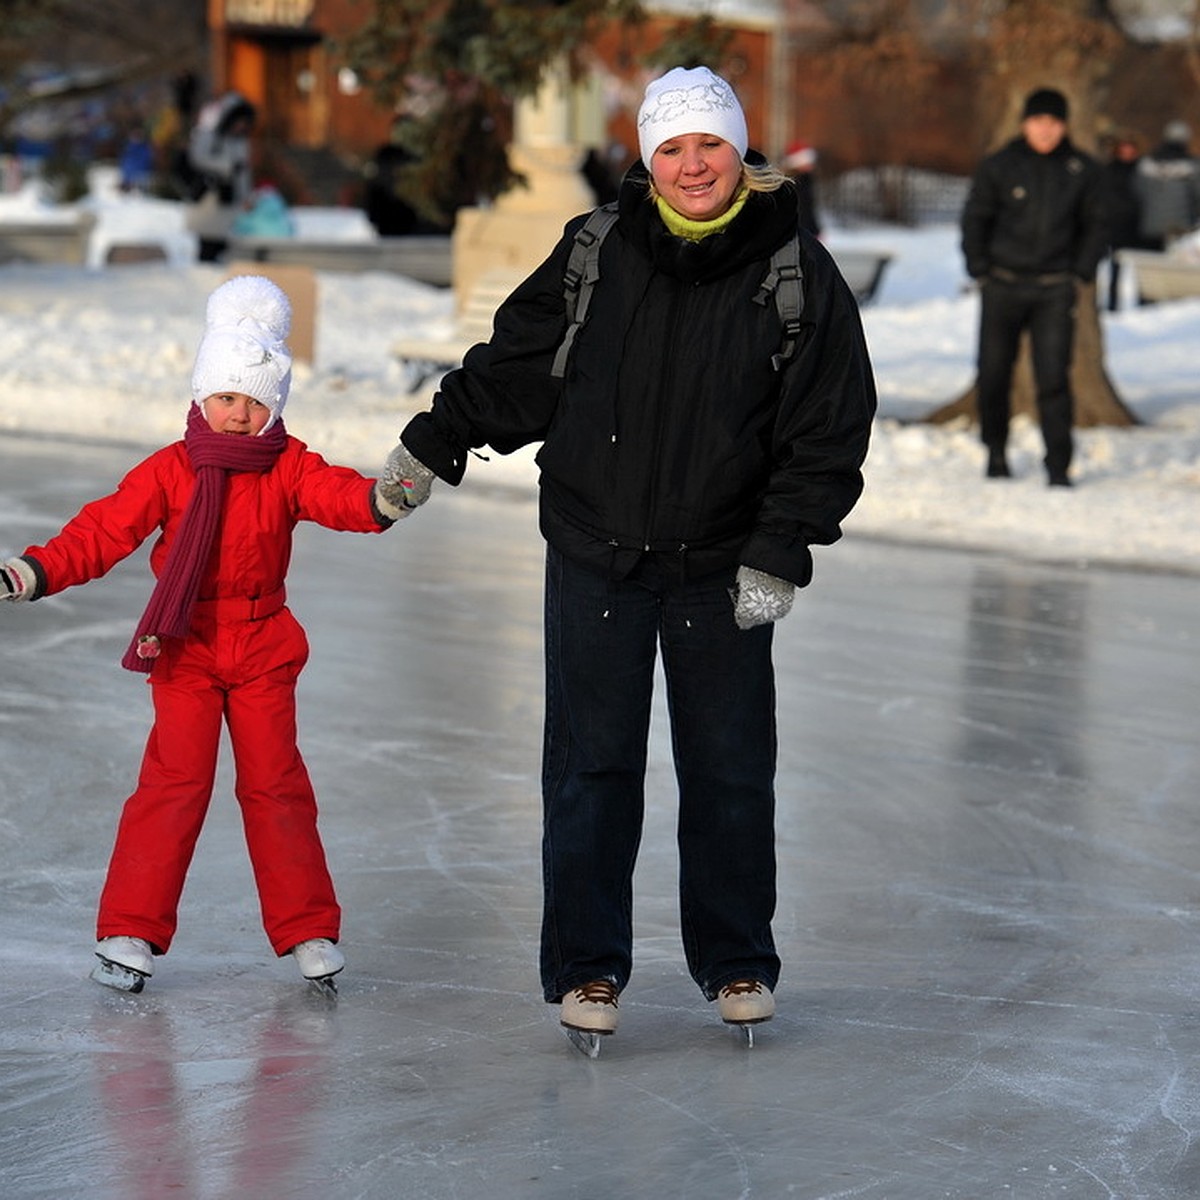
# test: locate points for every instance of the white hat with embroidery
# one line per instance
(689, 100)
(244, 349)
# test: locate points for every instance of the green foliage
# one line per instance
(456, 159)
(455, 67)
(503, 44)
(698, 43)
(65, 175)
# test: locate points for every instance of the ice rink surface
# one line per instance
(989, 910)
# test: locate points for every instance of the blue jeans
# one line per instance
(602, 637)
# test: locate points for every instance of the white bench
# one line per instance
(1161, 275)
(47, 241)
(425, 258)
(425, 357)
(861, 269)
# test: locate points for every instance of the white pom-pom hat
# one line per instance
(244, 347)
(689, 100)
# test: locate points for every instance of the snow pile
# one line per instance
(108, 354)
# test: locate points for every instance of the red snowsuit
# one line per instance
(240, 661)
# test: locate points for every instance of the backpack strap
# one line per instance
(785, 280)
(583, 269)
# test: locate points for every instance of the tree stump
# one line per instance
(1096, 400)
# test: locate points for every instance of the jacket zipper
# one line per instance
(672, 340)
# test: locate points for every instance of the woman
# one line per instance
(683, 480)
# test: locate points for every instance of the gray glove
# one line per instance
(759, 598)
(403, 484)
(17, 580)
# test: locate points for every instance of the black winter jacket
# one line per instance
(1035, 214)
(671, 432)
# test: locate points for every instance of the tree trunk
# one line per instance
(1096, 400)
(1032, 42)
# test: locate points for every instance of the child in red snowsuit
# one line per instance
(217, 639)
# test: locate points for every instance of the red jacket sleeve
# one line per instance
(333, 496)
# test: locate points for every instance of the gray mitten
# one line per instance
(403, 484)
(18, 580)
(759, 598)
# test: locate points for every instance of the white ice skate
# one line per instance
(744, 1004)
(125, 963)
(319, 961)
(589, 1013)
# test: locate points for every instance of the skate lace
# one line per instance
(742, 987)
(599, 991)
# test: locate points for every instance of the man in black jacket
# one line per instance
(1033, 228)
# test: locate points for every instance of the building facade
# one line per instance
(279, 55)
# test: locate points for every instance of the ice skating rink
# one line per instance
(989, 909)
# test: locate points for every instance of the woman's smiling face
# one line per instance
(697, 174)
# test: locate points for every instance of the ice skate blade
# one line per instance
(744, 1030)
(324, 985)
(111, 974)
(586, 1041)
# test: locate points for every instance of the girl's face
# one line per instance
(697, 174)
(235, 412)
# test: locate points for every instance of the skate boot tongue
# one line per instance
(745, 1002)
(592, 1007)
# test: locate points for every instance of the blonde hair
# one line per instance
(763, 177)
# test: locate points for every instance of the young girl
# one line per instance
(217, 639)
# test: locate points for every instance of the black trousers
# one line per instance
(603, 638)
(1047, 311)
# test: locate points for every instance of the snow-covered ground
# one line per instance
(106, 353)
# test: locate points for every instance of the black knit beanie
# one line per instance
(1045, 102)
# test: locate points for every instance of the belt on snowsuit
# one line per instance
(242, 608)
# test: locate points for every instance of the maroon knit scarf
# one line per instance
(213, 456)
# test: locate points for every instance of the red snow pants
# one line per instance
(242, 672)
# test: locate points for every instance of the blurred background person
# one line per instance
(386, 209)
(800, 164)
(219, 155)
(1167, 183)
(137, 162)
(1124, 209)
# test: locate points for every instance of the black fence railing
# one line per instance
(894, 194)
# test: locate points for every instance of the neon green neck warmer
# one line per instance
(695, 231)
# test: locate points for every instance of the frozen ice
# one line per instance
(989, 871)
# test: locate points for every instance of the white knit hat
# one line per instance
(689, 101)
(243, 348)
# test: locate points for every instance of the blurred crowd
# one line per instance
(1153, 196)
(169, 143)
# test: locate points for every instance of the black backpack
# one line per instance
(784, 280)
